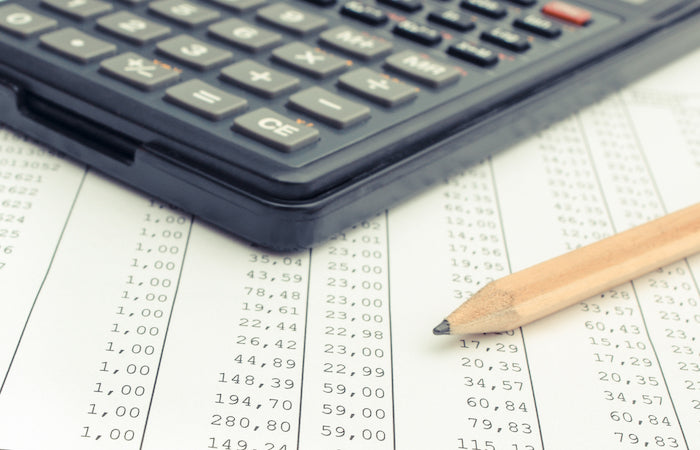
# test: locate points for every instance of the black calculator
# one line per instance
(284, 122)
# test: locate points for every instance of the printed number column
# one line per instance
(347, 392)
(236, 338)
(471, 392)
(668, 297)
(94, 339)
(498, 401)
(37, 190)
(256, 403)
(606, 355)
(132, 348)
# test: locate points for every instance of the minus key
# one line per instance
(329, 108)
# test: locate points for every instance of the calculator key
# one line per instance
(76, 45)
(244, 35)
(193, 52)
(377, 87)
(275, 130)
(78, 9)
(239, 5)
(309, 60)
(404, 5)
(329, 108)
(418, 33)
(452, 19)
(23, 22)
(131, 27)
(538, 25)
(184, 13)
(488, 8)
(423, 68)
(322, 2)
(259, 79)
(356, 43)
(473, 53)
(364, 13)
(291, 19)
(138, 71)
(568, 12)
(200, 98)
(507, 39)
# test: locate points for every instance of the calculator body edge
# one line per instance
(281, 208)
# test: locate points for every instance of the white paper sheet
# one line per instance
(125, 324)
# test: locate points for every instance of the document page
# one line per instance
(127, 324)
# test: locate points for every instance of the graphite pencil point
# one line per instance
(443, 328)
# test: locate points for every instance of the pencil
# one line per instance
(530, 294)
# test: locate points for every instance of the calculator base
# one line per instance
(288, 225)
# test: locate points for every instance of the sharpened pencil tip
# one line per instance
(443, 328)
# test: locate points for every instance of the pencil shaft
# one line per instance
(547, 287)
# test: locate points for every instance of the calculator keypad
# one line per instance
(184, 13)
(82, 9)
(309, 60)
(364, 13)
(328, 107)
(467, 51)
(239, 6)
(423, 69)
(507, 39)
(23, 22)
(132, 28)
(276, 130)
(291, 19)
(356, 43)
(76, 45)
(488, 8)
(416, 32)
(244, 35)
(193, 52)
(452, 19)
(377, 87)
(205, 100)
(538, 25)
(404, 5)
(139, 72)
(288, 75)
(567, 12)
(259, 79)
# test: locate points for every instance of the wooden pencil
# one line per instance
(530, 294)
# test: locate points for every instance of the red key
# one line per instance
(568, 12)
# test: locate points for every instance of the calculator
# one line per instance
(284, 122)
